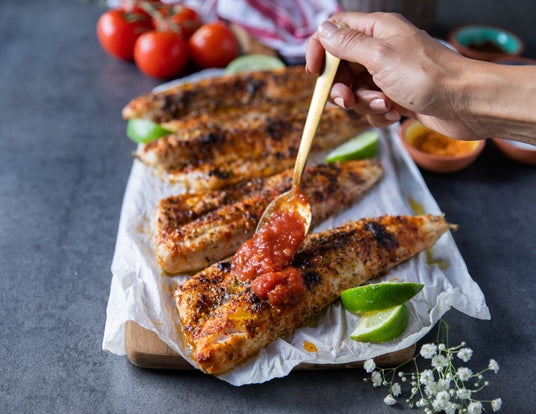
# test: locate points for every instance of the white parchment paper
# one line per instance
(142, 293)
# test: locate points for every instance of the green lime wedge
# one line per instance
(250, 63)
(143, 130)
(382, 326)
(379, 296)
(363, 146)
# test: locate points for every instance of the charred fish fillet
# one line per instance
(217, 228)
(266, 151)
(229, 118)
(256, 137)
(226, 323)
(212, 95)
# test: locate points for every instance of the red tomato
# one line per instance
(187, 20)
(161, 54)
(213, 45)
(117, 34)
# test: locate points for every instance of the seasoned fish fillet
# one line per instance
(255, 137)
(227, 119)
(228, 218)
(213, 95)
(225, 323)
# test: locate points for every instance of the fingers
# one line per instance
(381, 120)
(314, 55)
(345, 43)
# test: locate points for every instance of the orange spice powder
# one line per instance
(435, 143)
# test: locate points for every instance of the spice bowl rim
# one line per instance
(437, 163)
(516, 153)
(482, 55)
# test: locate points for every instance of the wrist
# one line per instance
(495, 100)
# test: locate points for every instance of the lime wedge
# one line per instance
(143, 130)
(363, 146)
(382, 326)
(250, 63)
(379, 296)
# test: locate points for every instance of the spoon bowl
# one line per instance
(290, 201)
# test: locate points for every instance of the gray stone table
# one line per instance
(64, 163)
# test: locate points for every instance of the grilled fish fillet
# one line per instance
(228, 119)
(215, 158)
(225, 323)
(213, 95)
(251, 137)
(188, 240)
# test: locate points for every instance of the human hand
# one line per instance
(390, 68)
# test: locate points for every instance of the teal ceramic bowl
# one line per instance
(486, 42)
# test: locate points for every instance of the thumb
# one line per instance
(348, 44)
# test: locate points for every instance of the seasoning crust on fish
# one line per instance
(191, 239)
(219, 156)
(221, 94)
(226, 323)
(252, 137)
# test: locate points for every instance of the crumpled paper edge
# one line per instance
(141, 293)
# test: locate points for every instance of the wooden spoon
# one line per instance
(294, 199)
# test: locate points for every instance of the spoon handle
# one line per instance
(318, 103)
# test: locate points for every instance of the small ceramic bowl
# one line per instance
(517, 151)
(486, 42)
(412, 129)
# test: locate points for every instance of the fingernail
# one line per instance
(327, 29)
(340, 102)
(392, 115)
(378, 105)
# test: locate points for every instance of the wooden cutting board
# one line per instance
(145, 349)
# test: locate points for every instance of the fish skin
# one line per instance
(221, 94)
(225, 323)
(218, 228)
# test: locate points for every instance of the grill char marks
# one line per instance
(222, 94)
(240, 323)
(256, 145)
(222, 220)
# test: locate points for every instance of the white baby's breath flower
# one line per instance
(439, 362)
(450, 408)
(465, 354)
(474, 408)
(376, 379)
(463, 394)
(428, 351)
(443, 384)
(442, 347)
(369, 365)
(396, 389)
(441, 400)
(493, 365)
(431, 388)
(389, 400)
(464, 373)
(496, 404)
(420, 403)
(427, 376)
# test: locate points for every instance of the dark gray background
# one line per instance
(64, 163)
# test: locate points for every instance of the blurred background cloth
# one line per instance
(285, 25)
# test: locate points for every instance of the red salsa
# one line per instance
(265, 261)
